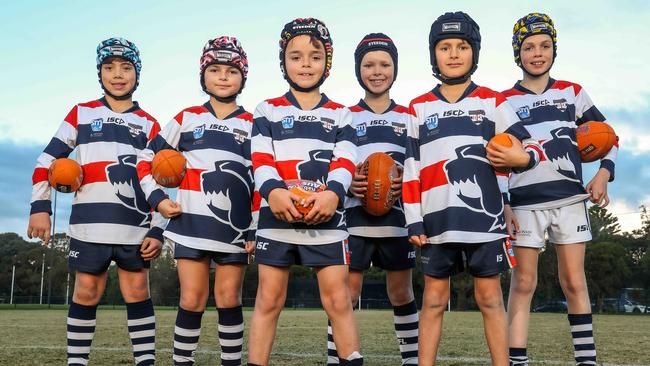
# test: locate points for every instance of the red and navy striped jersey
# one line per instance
(552, 118)
(291, 143)
(216, 194)
(450, 190)
(109, 207)
(378, 132)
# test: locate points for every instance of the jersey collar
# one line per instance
(236, 113)
(470, 88)
(362, 103)
(519, 87)
(294, 102)
(130, 110)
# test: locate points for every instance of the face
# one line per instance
(304, 61)
(377, 71)
(222, 80)
(454, 57)
(537, 54)
(118, 76)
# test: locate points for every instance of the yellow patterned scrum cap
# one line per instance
(531, 24)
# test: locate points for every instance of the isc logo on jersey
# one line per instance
(262, 245)
(73, 254)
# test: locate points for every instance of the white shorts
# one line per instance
(564, 225)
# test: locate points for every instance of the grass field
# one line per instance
(37, 337)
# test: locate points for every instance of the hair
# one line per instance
(110, 59)
(312, 40)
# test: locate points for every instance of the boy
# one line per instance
(303, 135)
(210, 222)
(453, 206)
(550, 198)
(382, 241)
(110, 219)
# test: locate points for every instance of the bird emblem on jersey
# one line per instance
(122, 175)
(228, 192)
(562, 150)
(471, 178)
(317, 167)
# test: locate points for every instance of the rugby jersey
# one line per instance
(291, 143)
(216, 194)
(378, 132)
(552, 118)
(109, 207)
(450, 190)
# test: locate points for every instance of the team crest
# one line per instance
(96, 124)
(240, 135)
(362, 129)
(198, 132)
(523, 112)
(432, 121)
(399, 128)
(560, 104)
(328, 123)
(134, 129)
(477, 115)
(287, 122)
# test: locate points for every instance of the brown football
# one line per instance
(380, 169)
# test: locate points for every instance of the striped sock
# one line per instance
(142, 331)
(582, 332)
(81, 329)
(231, 335)
(406, 321)
(518, 357)
(332, 355)
(186, 336)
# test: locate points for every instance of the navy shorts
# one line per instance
(183, 252)
(281, 254)
(390, 254)
(95, 257)
(480, 259)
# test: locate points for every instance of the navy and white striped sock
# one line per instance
(142, 331)
(82, 320)
(582, 332)
(332, 355)
(186, 336)
(406, 321)
(518, 357)
(231, 335)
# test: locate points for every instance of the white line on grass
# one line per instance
(313, 355)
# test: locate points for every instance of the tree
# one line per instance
(606, 270)
(604, 225)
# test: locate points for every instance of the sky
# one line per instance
(48, 65)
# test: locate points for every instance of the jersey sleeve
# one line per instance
(344, 155)
(266, 174)
(158, 222)
(168, 138)
(60, 146)
(587, 111)
(506, 120)
(411, 195)
(254, 194)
